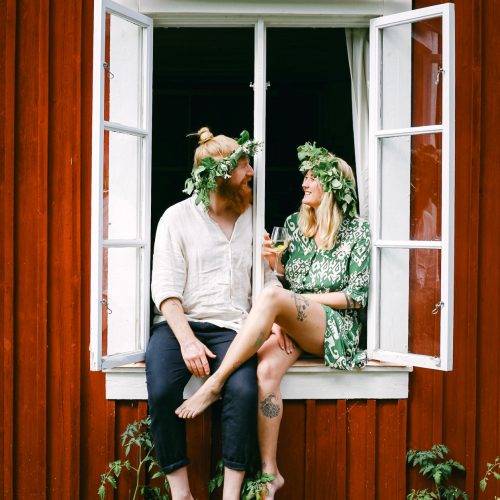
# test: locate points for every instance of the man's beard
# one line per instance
(238, 197)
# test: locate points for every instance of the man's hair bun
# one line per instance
(204, 135)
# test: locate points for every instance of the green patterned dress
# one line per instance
(344, 268)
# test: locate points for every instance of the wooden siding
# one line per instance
(57, 431)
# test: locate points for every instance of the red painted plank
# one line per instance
(371, 465)
(291, 450)
(356, 449)
(341, 476)
(7, 127)
(64, 273)
(310, 457)
(30, 347)
(326, 446)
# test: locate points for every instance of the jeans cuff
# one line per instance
(168, 469)
(234, 465)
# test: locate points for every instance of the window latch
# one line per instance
(104, 302)
(439, 72)
(252, 85)
(105, 65)
(438, 307)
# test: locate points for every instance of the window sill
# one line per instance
(306, 379)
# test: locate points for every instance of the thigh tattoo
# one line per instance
(301, 304)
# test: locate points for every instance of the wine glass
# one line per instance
(279, 238)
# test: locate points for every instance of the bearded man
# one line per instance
(201, 286)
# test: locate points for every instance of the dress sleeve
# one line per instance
(359, 265)
(168, 276)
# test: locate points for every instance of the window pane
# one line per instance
(411, 86)
(123, 82)
(122, 186)
(411, 187)
(410, 284)
(121, 295)
(303, 105)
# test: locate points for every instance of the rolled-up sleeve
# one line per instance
(168, 277)
(359, 266)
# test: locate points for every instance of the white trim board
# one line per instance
(301, 382)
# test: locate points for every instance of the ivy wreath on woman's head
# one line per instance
(325, 167)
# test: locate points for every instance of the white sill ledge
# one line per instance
(306, 379)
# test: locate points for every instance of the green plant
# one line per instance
(137, 435)
(252, 487)
(491, 469)
(433, 465)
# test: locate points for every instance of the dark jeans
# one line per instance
(166, 376)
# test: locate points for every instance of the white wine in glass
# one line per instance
(279, 238)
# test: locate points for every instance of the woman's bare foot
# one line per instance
(200, 400)
(273, 487)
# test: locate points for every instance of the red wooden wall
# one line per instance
(57, 431)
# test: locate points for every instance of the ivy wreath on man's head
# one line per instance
(203, 179)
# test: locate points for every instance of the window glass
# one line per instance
(411, 170)
(121, 293)
(122, 186)
(410, 288)
(416, 49)
(124, 71)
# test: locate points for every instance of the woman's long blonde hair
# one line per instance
(325, 221)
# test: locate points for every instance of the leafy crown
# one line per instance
(325, 168)
(203, 179)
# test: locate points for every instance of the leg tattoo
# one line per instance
(268, 408)
(301, 304)
(260, 340)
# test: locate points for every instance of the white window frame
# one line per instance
(99, 126)
(446, 245)
(378, 380)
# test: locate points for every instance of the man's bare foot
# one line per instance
(200, 400)
(273, 487)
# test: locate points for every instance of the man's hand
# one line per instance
(195, 355)
(283, 339)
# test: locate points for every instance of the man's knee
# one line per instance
(164, 393)
(243, 389)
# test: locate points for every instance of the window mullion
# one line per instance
(259, 88)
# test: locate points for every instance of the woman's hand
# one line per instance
(273, 258)
(284, 341)
(267, 250)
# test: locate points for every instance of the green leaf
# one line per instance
(101, 491)
(157, 474)
(482, 484)
(112, 481)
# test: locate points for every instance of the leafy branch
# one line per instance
(252, 488)
(492, 469)
(137, 435)
(433, 465)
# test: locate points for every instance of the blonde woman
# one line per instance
(327, 266)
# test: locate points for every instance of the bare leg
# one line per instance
(233, 480)
(273, 364)
(179, 484)
(303, 319)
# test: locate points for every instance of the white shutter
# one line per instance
(410, 317)
(121, 185)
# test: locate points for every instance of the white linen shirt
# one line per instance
(195, 262)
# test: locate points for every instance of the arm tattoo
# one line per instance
(301, 304)
(268, 408)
